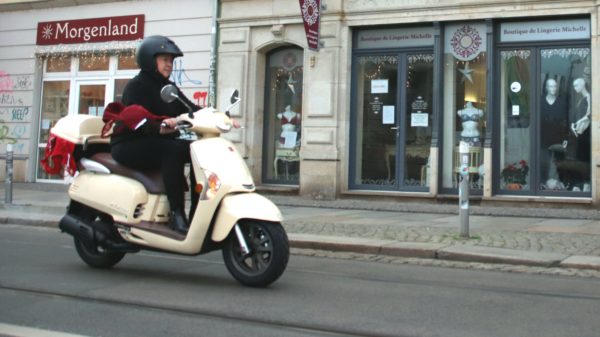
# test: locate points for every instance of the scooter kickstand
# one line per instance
(241, 240)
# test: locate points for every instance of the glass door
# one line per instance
(419, 120)
(377, 126)
(392, 100)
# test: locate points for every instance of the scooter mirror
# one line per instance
(235, 96)
(168, 93)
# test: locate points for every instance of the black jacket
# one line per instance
(144, 89)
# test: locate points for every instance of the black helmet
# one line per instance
(152, 46)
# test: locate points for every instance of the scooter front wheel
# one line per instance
(95, 256)
(268, 256)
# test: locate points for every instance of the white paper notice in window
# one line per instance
(419, 119)
(379, 86)
(388, 114)
(290, 138)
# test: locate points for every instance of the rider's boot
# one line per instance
(178, 222)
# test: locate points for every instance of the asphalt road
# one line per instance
(44, 285)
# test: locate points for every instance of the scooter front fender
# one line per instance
(243, 206)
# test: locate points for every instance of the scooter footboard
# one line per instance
(243, 206)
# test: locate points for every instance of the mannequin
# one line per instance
(580, 128)
(470, 117)
(583, 107)
(290, 122)
(554, 132)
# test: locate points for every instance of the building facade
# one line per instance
(382, 108)
(59, 58)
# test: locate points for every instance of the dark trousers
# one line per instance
(168, 155)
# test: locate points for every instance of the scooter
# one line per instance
(115, 210)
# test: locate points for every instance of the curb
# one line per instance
(442, 252)
(582, 262)
(392, 248)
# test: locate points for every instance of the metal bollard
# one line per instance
(9, 175)
(463, 189)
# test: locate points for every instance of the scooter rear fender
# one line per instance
(242, 206)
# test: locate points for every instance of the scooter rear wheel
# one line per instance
(268, 257)
(92, 254)
(95, 256)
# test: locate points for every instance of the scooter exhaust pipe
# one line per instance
(87, 233)
(81, 230)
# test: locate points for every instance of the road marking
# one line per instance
(23, 331)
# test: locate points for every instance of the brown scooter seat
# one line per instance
(152, 180)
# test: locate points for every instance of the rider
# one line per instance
(152, 143)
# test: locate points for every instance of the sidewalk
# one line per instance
(520, 236)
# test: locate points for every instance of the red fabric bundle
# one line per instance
(58, 156)
(132, 116)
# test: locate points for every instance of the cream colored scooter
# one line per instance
(115, 210)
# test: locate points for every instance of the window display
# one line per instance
(283, 116)
(556, 159)
(465, 76)
(565, 148)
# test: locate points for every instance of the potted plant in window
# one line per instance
(515, 175)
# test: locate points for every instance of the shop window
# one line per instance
(94, 62)
(465, 76)
(119, 85)
(565, 116)
(55, 104)
(126, 62)
(545, 122)
(515, 121)
(86, 90)
(92, 99)
(283, 116)
(58, 65)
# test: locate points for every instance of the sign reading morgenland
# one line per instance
(311, 15)
(116, 28)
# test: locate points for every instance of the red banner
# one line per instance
(311, 15)
(116, 28)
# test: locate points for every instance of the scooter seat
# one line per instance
(152, 180)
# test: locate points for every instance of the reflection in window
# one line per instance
(465, 75)
(565, 112)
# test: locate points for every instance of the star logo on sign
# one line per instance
(467, 73)
(47, 32)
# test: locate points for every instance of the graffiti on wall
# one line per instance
(200, 97)
(179, 75)
(15, 111)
